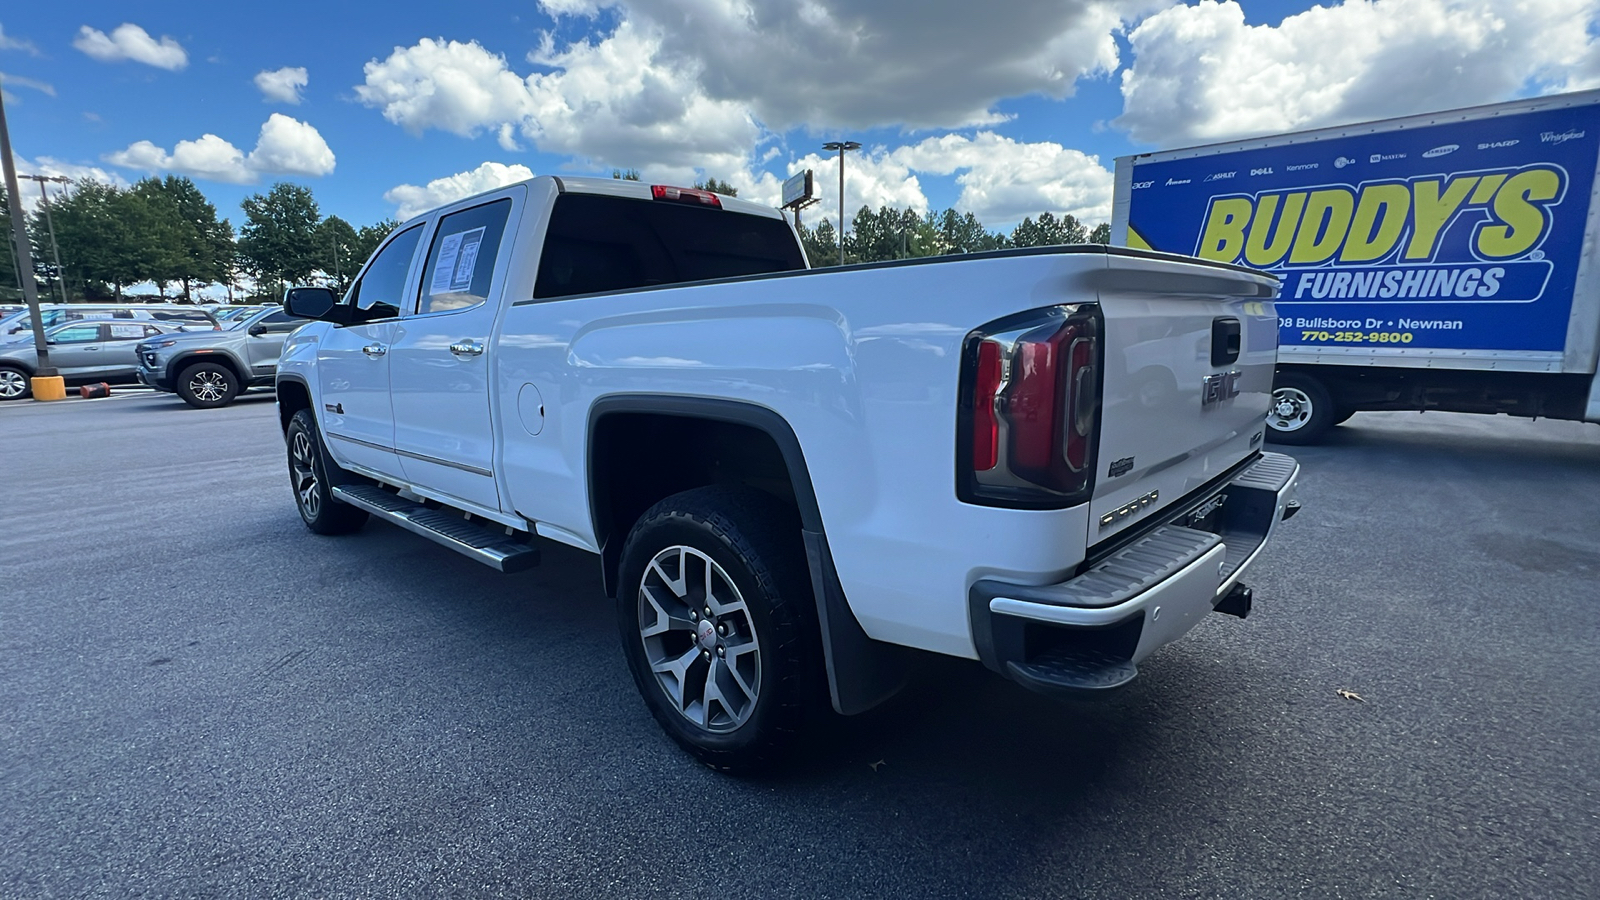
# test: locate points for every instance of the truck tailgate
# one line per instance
(1189, 356)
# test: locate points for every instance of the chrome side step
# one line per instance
(490, 546)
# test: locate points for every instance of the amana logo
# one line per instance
(1441, 151)
(1177, 181)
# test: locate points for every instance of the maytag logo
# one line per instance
(1263, 171)
(1221, 176)
(1141, 185)
(1560, 137)
(1441, 151)
(1343, 161)
(1385, 157)
(1498, 145)
(1172, 181)
(1301, 167)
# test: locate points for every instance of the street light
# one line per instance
(44, 199)
(841, 147)
(47, 383)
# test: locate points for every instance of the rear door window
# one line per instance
(77, 334)
(460, 268)
(126, 332)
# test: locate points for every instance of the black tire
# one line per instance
(14, 384)
(308, 477)
(207, 385)
(1302, 410)
(754, 540)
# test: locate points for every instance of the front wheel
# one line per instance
(718, 624)
(208, 385)
(1302, 410)
(308, 475)
(14, 384)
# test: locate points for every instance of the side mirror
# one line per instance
(311, 303)
(257, 330)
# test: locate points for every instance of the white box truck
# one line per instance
(1441, 261)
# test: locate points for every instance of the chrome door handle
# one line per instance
(467, 348)
(373, 351)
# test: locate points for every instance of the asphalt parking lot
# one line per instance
(203, 699)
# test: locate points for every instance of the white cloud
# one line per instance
(11, 43)
(285, 146)
(55, 168)
(10, 81)
(282, 85)
(290, 147)
(129, 41)
(866, 63)
(1201, 73)
(411, 200)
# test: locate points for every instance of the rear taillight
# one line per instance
(692, 196)
(1030, 407)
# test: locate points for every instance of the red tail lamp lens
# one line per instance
(985, 422)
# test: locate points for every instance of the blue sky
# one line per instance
(1005, 109)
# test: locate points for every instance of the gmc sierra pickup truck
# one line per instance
(1048, 460)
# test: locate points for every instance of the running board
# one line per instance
(490, 546)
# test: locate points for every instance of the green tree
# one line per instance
(335, 252)
(101, 232)
(10, 284)
(368, 237)
(821, 244)
(625, 174)
(1049, 231)
(278, 240)
(1101, 234)
(890, 234)
(161, 254)
(717, 187)
(205, 243)
(963, 233)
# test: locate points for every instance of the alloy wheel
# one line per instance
(699, 639)
(13, 384)
(302, 468)
(208, 387)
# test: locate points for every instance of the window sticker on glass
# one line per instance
(458, 256)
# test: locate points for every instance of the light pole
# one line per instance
(47, 385)
(842, 147)
(55, 251)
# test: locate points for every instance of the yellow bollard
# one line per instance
(49, 388)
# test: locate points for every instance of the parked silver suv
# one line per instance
(210, 368)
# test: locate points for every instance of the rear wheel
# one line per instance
(14, 384)
(208, 385)
(719, 626)
(308, 475)
(1302, 410)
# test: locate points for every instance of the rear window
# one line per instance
(597, 243)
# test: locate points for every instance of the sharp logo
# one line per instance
(1498, 145)
(1441, 151)
(1172, 181)
(1216, 388)
(1267, 170)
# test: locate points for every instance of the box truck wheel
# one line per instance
(1302, 410)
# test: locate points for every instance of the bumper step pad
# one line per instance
(488, 545)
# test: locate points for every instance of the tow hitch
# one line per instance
(1236, 602)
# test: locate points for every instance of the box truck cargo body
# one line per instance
(1441, 261)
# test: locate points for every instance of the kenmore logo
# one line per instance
(1553, 137)
(1441, 151)
(1496, 145)
(1301, 167)
(1171, 181)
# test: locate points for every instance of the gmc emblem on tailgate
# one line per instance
(1216, 388)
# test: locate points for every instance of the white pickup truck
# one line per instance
(1048, 460)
